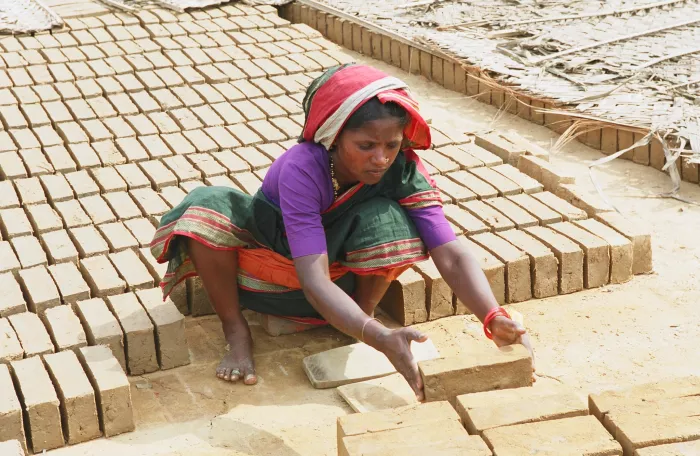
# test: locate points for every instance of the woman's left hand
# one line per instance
(508, 332)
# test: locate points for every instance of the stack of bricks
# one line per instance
(483, 86)
(63, 398)
(655, 419)
(534, 231)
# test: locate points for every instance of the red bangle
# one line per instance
(493, 313)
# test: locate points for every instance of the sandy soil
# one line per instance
(642, 331)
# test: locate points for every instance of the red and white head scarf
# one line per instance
(334, 96)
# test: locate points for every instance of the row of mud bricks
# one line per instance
(474, 82)
(484, 404)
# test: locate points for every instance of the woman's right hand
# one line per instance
(396, 345)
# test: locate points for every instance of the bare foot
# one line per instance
(238, 362)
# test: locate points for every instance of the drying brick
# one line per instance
(139, 341)
(568, 212)
(64, 328)
(82, 184)
(56, 187)
(11, 423)
(568, 254)
(592, 204)
(101, 327)
(108, 180)
(30, 191)
(112, 389)
(70, 282)
(405, 300)
(543, 214)
(29, 251)
(10, 350)
(483, 370)
(72, 214)
(76, 395)
(97, 209)
(169, 323)
(504, 185)
(88, 241)
(39, 288)
(517, 266)
(44, 218)
(596, 253)
(482, 189)
(521, 218)
(14, 223)
(620, 249)
(464, 220)
(493, 268)
(543, 263)
(8, 195)
(8, 260)
(132, 270)
(487, 214)
(544, 172)
(633, 230)
(13, 299)
(439, 295)
(40, 403)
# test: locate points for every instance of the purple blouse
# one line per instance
(299, 182)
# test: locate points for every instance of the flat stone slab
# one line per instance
(355, 363)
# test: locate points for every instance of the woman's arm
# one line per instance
(338, 309)
(465, 277)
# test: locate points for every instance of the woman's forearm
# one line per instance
(465, 277)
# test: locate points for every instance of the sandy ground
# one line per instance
(642, 331)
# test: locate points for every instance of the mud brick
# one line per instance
(14, 222)
(117, 236)
(438, 292)
(405, 299)
(596, 265)
(109, 85)
(191, 97)
(59, 247)
(521, 218)
(164, 123)
(206, 164)
(501, 146)
(464, 159)
(132, 149)
(133, 271)
(77, 398)
(29, 151)
(568, 211)
(11, 166)
(484, 370)
(527, 183)
(245, 135)
(72, 214)
(130, 83)
(621, 251)
(34, 114)
(582, 434)
(31, 333)
(122, 205)
(39, 288)
(40, 403)
(142, 125)
(543, 214)
(289, 65)
(29, 251)
(487, 214)
(142, 230)
(20, 77)
(118, 63)
(575, 195)
(13, 300)
(98, 210)
(482, 189)
(81, 70)
(232, 162)
(568, 254)
(439, 161)
(155, 146)
(641, 239)
(88, 241)
(492, 267)
(60, 159)
(72, 134)
(149, 202)
(139, 341)
(108, 180)
(12, 117)
(60, 71)
(101, 327)
(208, 116)
(229, 92)
(543, 172)
(111, 387)
(157, 174)
(11, 423)
(43, 218)
(102, 107)
(197, 56)
(101, 276)
(182, 168)
(48, 137)
(268, 131)
(123, 104)
(543, 263)
(517, 266)
(249, 182)
(119, 127)
(504, 185)
(186, 119)
(408, 416)
(8, 195)
(247, 88)
(82, 184)
(171, 344)
(8, 260)
(464, 220)
(270, 108)
(65, 328)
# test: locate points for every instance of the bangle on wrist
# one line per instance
(493, 313)
(362, 334)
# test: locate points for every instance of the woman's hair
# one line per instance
(375, 110)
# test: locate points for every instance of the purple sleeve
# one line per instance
(433, 227)
(300, 202)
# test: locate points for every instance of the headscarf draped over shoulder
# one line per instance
(335, 95)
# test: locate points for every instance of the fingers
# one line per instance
(412, 334)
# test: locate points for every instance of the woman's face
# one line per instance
(365, 154)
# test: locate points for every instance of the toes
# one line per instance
(235, 374)
(250, 379)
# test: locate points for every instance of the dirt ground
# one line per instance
(642, 331)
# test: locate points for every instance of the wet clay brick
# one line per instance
(31, 334)
(77, 398)
(493, 268)
(543, 214)
(70, 282)
(111, 387)
(10, 348)
(544, 172)
(568, 254)
(620, 249)
(169, 323)
(438, 293)
(132, 270)
(517, 266)
(482, 189)
(568, 212)
(596, 253)
(39, 288)
(11, 424)
(591, 203)
(493, 409)
(520, 217)
(12, 300)
(101, 276)
(40, 403)
(504, 185)
(483, 370)
(487, 214)
(405, 301)
(139, 340)
(581, 435)
(101, 327)
(543, 263)
(633, 230)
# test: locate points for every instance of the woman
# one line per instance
(339, 216)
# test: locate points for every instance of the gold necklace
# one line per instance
(336, 185)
